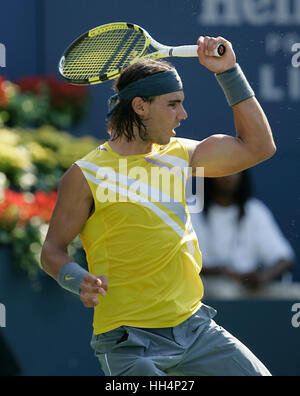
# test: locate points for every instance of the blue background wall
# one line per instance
(262, 33)
(35, 33)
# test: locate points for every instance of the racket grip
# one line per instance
(187, 51)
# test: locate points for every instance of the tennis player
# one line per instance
(143, 255)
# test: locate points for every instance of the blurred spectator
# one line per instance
(244, 252)
(8, 363)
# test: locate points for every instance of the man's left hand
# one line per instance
(218, 65)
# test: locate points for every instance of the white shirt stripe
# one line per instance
(171, 160)
(136, 198)
(149, 191)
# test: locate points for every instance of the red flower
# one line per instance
(3, 98)
(59, 91)
(30, 84)
(44, 204)
(15, 207)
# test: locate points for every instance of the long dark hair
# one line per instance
(241, 196)
(124, 118)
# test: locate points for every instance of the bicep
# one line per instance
(219, 155)
(72, 209)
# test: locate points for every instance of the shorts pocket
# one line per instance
(104, 343)
(134, 342)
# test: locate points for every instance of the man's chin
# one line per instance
(165, 141)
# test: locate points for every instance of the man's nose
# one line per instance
(182, 114)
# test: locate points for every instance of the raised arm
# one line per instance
(222, 154)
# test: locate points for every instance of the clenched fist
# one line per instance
(90, 288)
(207, 45)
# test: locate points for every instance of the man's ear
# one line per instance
(139, 106)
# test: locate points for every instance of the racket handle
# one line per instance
(192, 51)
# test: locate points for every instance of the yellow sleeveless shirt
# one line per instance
(141, 237)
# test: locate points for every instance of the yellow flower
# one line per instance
(13, 157)
(51, 137)
(78, 148)
(41, 155)
(9, 137)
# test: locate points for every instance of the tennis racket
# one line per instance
(102, 53)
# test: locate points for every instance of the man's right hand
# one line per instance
(90, 288)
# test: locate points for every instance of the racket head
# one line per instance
(103, 52)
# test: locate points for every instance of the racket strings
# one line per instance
(103, 53)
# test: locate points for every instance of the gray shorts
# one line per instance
(196, 347)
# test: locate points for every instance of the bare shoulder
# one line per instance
(189, 142)
(74, 186)
(190, 145)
